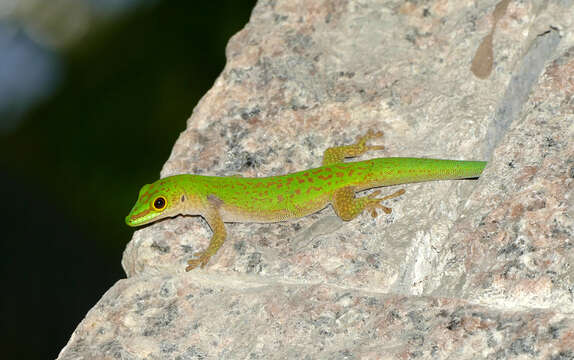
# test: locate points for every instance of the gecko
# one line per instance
(225, 199)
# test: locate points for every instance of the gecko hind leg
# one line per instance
(347, 206)
(338, 153)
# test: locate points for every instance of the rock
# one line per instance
(460, 269)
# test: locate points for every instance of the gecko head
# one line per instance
(159, 200)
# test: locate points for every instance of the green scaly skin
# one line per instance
(278, 198)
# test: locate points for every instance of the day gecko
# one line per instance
(277, 198)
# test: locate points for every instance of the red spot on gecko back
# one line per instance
(313, 188)
(270, 183)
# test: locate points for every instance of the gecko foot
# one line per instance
(338, 153)
(201, 261)
(374, 202)
(370, 135)
(362, 140)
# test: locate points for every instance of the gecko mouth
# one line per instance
(140, 218)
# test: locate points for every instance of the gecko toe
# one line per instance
(201, 259)
(191, 264)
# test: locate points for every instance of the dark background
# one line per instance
(71, 168)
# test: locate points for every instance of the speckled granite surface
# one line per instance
(459, 270)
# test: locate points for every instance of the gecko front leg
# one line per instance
(213, 218)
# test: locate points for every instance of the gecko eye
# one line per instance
(159, 203)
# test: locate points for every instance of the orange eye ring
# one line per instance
(159, 203)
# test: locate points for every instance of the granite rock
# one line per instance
(460, 269)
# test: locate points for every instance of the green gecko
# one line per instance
(221, 199)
